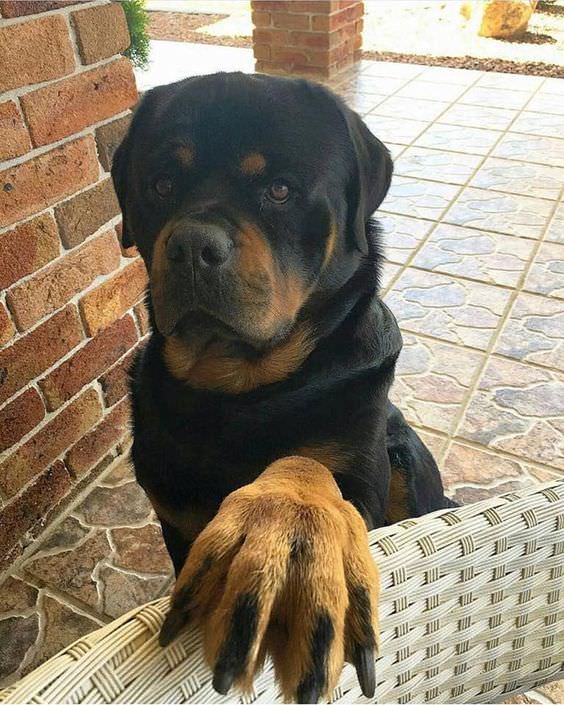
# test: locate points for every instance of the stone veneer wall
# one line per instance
(70, 316)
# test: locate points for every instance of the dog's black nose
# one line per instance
(203, 245)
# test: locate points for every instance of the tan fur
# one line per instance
(216, 369)
(159, 265)
(329, 454)
(294, 499)
(283, 294)
(185, 155)
(253, 164)
(330, 245)
(398, 499)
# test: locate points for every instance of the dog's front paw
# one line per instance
(284, 568)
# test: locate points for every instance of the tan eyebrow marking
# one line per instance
(184, 155)
(254, 163)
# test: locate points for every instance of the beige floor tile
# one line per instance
(437, 165)
(492, 97)
(415, 197)
(531, 148)
(427, 90)
(555, 232)
(479, 116)
(432, 380)
(546, 275)
(457, 138)
(462, 312)
(534, 331)
(509, 81)
(519, 409)
(504, 213)
(402, 235)
(522, 178)
(397, 130)
(485, 256)
(396, 106)
(542, 124)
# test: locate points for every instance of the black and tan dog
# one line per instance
(263, 434)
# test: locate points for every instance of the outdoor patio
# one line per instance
(474, 241)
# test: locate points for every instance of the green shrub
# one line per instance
(137, 21)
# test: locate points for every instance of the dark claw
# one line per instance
(173, 624)
(222, 681)
(307, 692)
(365, 669)
(233, 655)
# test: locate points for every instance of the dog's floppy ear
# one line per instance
(119, 178)
(371, 178)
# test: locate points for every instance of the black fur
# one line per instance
(192, 447)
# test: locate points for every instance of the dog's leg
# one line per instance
(284, 567)
(176, 544)
(416, 486)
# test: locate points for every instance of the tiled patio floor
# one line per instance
(474, 230)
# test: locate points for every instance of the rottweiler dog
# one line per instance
(263, 433)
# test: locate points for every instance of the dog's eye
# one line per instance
(163, 186)
(278, 192)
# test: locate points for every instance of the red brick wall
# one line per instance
(312, 38)
(69, 295)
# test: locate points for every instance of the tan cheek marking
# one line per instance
(158, 265)
(253, 164)
(184, 155)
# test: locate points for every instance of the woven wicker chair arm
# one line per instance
(471, 610)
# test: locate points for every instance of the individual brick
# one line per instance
(65, 107)
(37, 183)
(50, 441)
(32, 354)
(115, 382)
(83, 214)
(26, 510)
(27, 248)
(99, 308)
(15, 138)
(109, 137)
(261, 19)
(34, 51)
(290, 21)
(19, 8)
(7, 329)
(101, 32)
(53, 286)
(94, 445)
(336, 20)
(88, 362)
(19, 417)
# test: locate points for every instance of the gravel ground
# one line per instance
(432, 33)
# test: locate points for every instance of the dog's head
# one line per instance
(246, 196)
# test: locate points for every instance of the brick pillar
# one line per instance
(69, 313)
(316, 38)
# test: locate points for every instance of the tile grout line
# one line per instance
(473, 386)
(514, 291)
(480, 351)
(489, 353)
